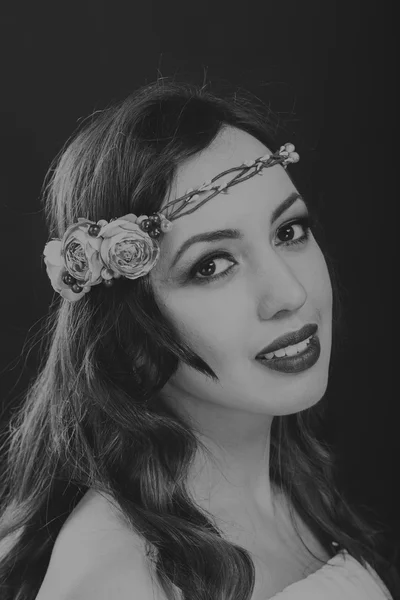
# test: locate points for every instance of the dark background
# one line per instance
(329, 66)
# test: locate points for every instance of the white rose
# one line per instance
(56, 270)
(81, 253)
(126, 250)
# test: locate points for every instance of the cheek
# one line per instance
(203, 323)
(318, 281)
(206, 329)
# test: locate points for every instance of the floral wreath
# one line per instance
(91, 253)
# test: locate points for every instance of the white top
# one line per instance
(341, 578)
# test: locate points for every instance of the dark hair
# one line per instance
(95, 405)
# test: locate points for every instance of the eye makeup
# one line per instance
(297, 230)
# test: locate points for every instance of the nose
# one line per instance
(281, 291)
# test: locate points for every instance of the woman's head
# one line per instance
(148, 151)
(276, 282)
(83, 424)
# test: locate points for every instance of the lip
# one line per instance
(297, 363)
(290, 339)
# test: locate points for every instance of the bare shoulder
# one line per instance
(96, 556)
(121, 580)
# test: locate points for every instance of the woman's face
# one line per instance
(271, 286)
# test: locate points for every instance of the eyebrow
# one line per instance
(233, 234)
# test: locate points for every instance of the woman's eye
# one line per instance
(293, 232)
(209, 272)
(289, 234)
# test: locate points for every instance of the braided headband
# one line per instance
(90, 253)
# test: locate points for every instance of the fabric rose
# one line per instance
(56, 270)
(77, 254)
(81, 253)
(126, 250)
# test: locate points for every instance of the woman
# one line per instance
(170, 445)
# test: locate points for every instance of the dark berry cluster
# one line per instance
(152, 226)
(72, 283)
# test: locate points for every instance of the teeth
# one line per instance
(289, 350)
(281, 352)
(292, 350)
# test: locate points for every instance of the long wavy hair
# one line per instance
(93, 417)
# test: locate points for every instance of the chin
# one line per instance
(288, 393)
(312, 390)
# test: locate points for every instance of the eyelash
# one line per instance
(304, 222)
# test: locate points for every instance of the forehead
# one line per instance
(246, 201)
(229, 149)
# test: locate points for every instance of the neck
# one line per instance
(232, 464)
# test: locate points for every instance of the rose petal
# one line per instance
(95, 264)
(55, 275)
(94, 242)
(52, 251)
(131, 217)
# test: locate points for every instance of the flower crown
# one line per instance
(90, 253)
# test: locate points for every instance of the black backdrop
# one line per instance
(329, 65)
